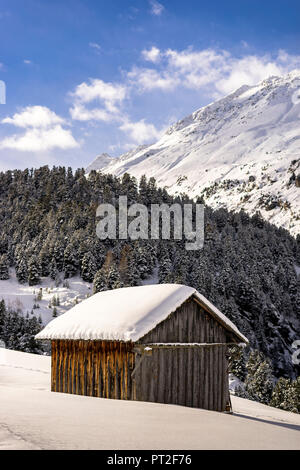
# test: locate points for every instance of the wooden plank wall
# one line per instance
(93, 368)
(195, 377)
(190, 323)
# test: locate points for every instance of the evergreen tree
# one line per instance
(70, 261)
(18, 331)
(282, 396)
(259, 382)
(237, 362)
(128, 269)
(108, 277)
(88, 267)
(165, 268)
(53, 271)
(33, 271)
(44, 260)
(58, 254)
(3, 315)
(4, 266)
(21, 271)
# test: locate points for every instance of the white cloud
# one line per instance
(40, 139)
(81, 113)
(152, 55)
(95, 45)
(149, 79)
(34, 116)
(110, 95)
(215, 72)
(248, 71)
(140, 132)
(43, 132)
(156, 8)
(191, 69)
(27, 61)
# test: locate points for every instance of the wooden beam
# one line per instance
(141, 348)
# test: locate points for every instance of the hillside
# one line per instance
(30, 415)
(242, 151)
(247, 267)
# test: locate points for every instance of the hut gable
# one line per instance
(190, 323)
(129, 313)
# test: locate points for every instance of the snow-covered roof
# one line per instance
(126, 314)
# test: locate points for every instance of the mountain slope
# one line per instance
(100, 161)
(242, 151)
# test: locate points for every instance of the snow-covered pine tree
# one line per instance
(70, 261)
(44, 260)
(53, 271)
(3, 315)
(88, 267)
(4, 268)
(284, 395)
(259, 382)
(143, 190)
(124, 265)
(33, 271)
(21, 271)
(113, 277)
(141, 260)
(237, 362)
(165, 267)
(100, 281)
(58, 254)
(108, 277)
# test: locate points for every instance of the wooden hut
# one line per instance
(161, 343)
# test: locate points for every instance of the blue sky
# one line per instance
(85, 77)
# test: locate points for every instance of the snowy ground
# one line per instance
(32, 417)
(23, 296)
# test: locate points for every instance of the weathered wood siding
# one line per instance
(93, 368)
(195, 377)
(190, 323)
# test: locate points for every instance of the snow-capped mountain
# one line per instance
(242, 151)
(99, 162)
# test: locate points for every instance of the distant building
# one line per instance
(161, 343)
